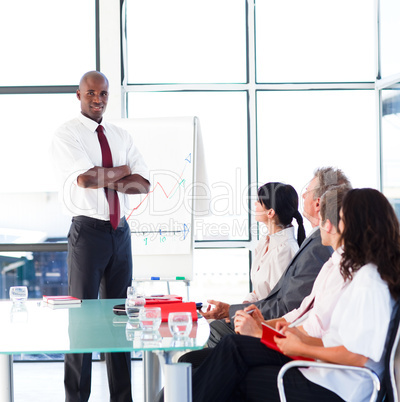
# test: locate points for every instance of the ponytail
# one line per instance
(284, 200)
(301, 233)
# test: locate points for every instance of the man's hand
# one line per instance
(220, 311)
(249, 323)
(100, 177)
(255, 314)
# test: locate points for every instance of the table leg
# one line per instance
(152, 375)
(6, 378)
(178, 382)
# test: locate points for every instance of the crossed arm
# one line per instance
(117, 178)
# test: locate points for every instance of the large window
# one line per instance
(390, 36)
(47, 45)
(315, 41)
(46, 48)
(301, 130)
(181, 41)
(391, 145)
(280, 88)
(389, 86)
(46, 42)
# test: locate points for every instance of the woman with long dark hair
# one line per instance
(276, 207)
(242, 368)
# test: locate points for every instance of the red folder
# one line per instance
(167, 308)
(268, 340)
(153, 300)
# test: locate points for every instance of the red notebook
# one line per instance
(167, 308)
(163, 299)
(268, 340)
(61, 300)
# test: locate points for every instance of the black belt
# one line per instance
(97, 223)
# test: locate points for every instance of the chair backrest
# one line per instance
(388, 391)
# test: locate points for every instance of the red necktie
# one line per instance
(112, 195)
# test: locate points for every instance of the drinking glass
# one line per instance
(133, 305)
(150, 318)
(18, 294)
(180, 324)
(130, 292)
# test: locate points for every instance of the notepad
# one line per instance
(61, 300)
(268, 339)
(163, 299)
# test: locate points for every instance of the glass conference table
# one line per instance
(36, 328)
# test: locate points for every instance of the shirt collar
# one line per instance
(337, 256)
(281, 236)
(89, 123)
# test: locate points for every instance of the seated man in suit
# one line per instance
(297, 281)
(316, 309)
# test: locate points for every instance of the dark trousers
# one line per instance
(241, 368)
(99, 261)
(219, 329)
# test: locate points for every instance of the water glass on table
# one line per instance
(180, 324)
(18, 294)
(130, 292)
(150, 318)
(133, 305)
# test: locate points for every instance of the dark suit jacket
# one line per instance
(297, 281)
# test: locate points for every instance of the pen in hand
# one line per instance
(295, 323)
(248, 312)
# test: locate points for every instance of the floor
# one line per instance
(43, 381)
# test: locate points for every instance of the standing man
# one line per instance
(296, 282)
(99, 165)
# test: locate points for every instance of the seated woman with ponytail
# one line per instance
(276, 207)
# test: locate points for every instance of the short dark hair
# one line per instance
(331, 202)
(329, 177)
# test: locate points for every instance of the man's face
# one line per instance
(93, 94)
(309, 204)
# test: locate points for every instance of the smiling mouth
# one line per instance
(97, 108)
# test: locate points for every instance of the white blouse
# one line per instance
(359, 322)
(268, 267)
(328, 287)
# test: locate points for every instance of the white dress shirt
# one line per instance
(268, 267)
(326, 291)
(76, 149)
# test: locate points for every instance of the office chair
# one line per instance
(384, 390)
